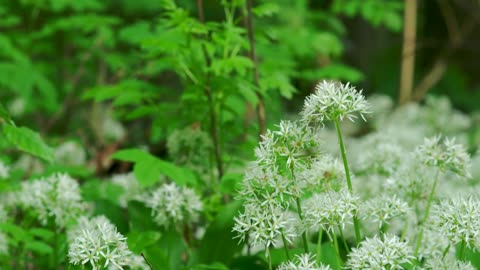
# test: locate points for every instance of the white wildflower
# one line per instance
(70, 153)
(172, 204)
(264, 225)
(458, 220)
(334, 100)
(445, 154)
(326, 173)
(303, 262)
(381, 210)
(385, 252)
(3, 244)
(4, 171)
(97, 243)
(57, 196)
(131, 189)
(330, 210)
(447, 263)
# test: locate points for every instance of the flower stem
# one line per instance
(337, 251)
(343, 239)
(347, 174)
(425, 216)
(461, 252)
(285, 246)
(304, 234)
(319, 246)
(269, 257)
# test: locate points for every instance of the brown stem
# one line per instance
(211, 103)
(146, 261)
(408, 55)
(253, 56)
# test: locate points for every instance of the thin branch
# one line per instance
(208, 92)
(146, 261)
(440, 65)
(451, 22)
(252, 54)
(408, 55)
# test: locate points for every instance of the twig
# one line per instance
(146, 261)
(208, 92)
(440, 65)
(408, 55)
(253, 57)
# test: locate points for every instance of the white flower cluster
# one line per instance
(330, 210)
(381, 210)
(70, 153)
(172, 204)
(303, 262)
(325, 173)
(97, 243)
(4, 171)
(447, 263)
(131, 189)
(264, 225)
(57, 196)
(385, 252)
(190, 146)
(294, 145)
(445, 154)
(458, 220)
(334, 100)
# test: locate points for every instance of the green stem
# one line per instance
(304, 234)
(337, 251)
(319, 246)
(405, 225)
(269, 258)
(285, 246)
(356, 224)
(445, 251)
(461, 252)
(425, 216)
(343, 239)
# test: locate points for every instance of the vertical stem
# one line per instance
(461, 252)
(426, 214)
(211, 103)
(319, 246)
(356, 224)
(269, 257)
(343, 239)
(408, 51)
(285, 246)
(304, 234)
(252, 55)
(337, 250)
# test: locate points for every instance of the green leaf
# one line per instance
(229, 182)
(4, 116)
(29, 141)
(39, 247)
(139, 241)
(213, 266)
(41, 233)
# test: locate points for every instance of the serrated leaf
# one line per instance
(28, 141)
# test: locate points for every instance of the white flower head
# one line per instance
(445, 154)
(458, 220)
(4, 171)
(330, 210)
(3, 244)
(71, 153)
(334, 100)
(264, 225)
(381, 210)
(57, 196)
(97, 243)
(130, 187)
(172, 204)
(386, 252)
(303, 262)
(447, 263)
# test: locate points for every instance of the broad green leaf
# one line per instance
(138, 241)
(29, 141)
(39, 247)
(41, 233)
(213, 266)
